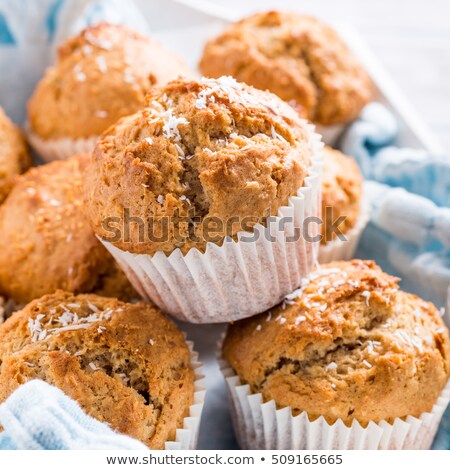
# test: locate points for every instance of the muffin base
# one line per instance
(186, 438)
(239, 278)
(337, 250)
(260, 425)
(60, 149)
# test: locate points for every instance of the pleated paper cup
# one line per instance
(337, 250)
(186, 438)
(261, 425)
(239, 278)
(60, 149)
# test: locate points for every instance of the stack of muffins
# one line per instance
(204, 197)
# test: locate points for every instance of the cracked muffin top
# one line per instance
(14, 156)
(341, 192)
(204, 160)
(347, 345)
(125, 364)
(296, 57)
(46, 242)
(100, 75)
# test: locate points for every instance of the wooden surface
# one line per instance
(410, 38)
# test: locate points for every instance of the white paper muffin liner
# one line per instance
(60, 149)
(261, 426)
(186, 438)
(336, 250)
(239, 278)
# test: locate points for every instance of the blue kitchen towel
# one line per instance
(409, 194)
(442, 441)
(39, 416)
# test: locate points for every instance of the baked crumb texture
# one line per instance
(347, 345)
(297, 57)
(14, 156)
(125, 364)
(100, 75)
(209, 148)
(46, 242)
(342, 183)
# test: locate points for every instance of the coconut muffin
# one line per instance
(348, 345)
(125, 364)
(100, 75)
(181, 193)
(208, 149)
(296, 57)
(14, 156)
(46, 243)
(341, 193)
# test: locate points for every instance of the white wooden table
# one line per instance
(411, 38)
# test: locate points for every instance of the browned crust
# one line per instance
(298, 58)
(341, 193)
(46, 243)
(100, 76)
(14, 156)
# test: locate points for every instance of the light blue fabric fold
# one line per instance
(39, 416)
(409, 194)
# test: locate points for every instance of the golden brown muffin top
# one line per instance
(100, 75)
(347, 345)
(201, 151)
(298, 58)
(125, 364)
(46, 243)
(14, 156)
(341, 192)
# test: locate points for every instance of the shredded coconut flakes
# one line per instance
(366, 295)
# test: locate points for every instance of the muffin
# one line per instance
(344, 213)
(353, 361)
(296, 57)
(46, 243)
(14, 156)
(100, 75)
(173, 189)
(125, 364)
